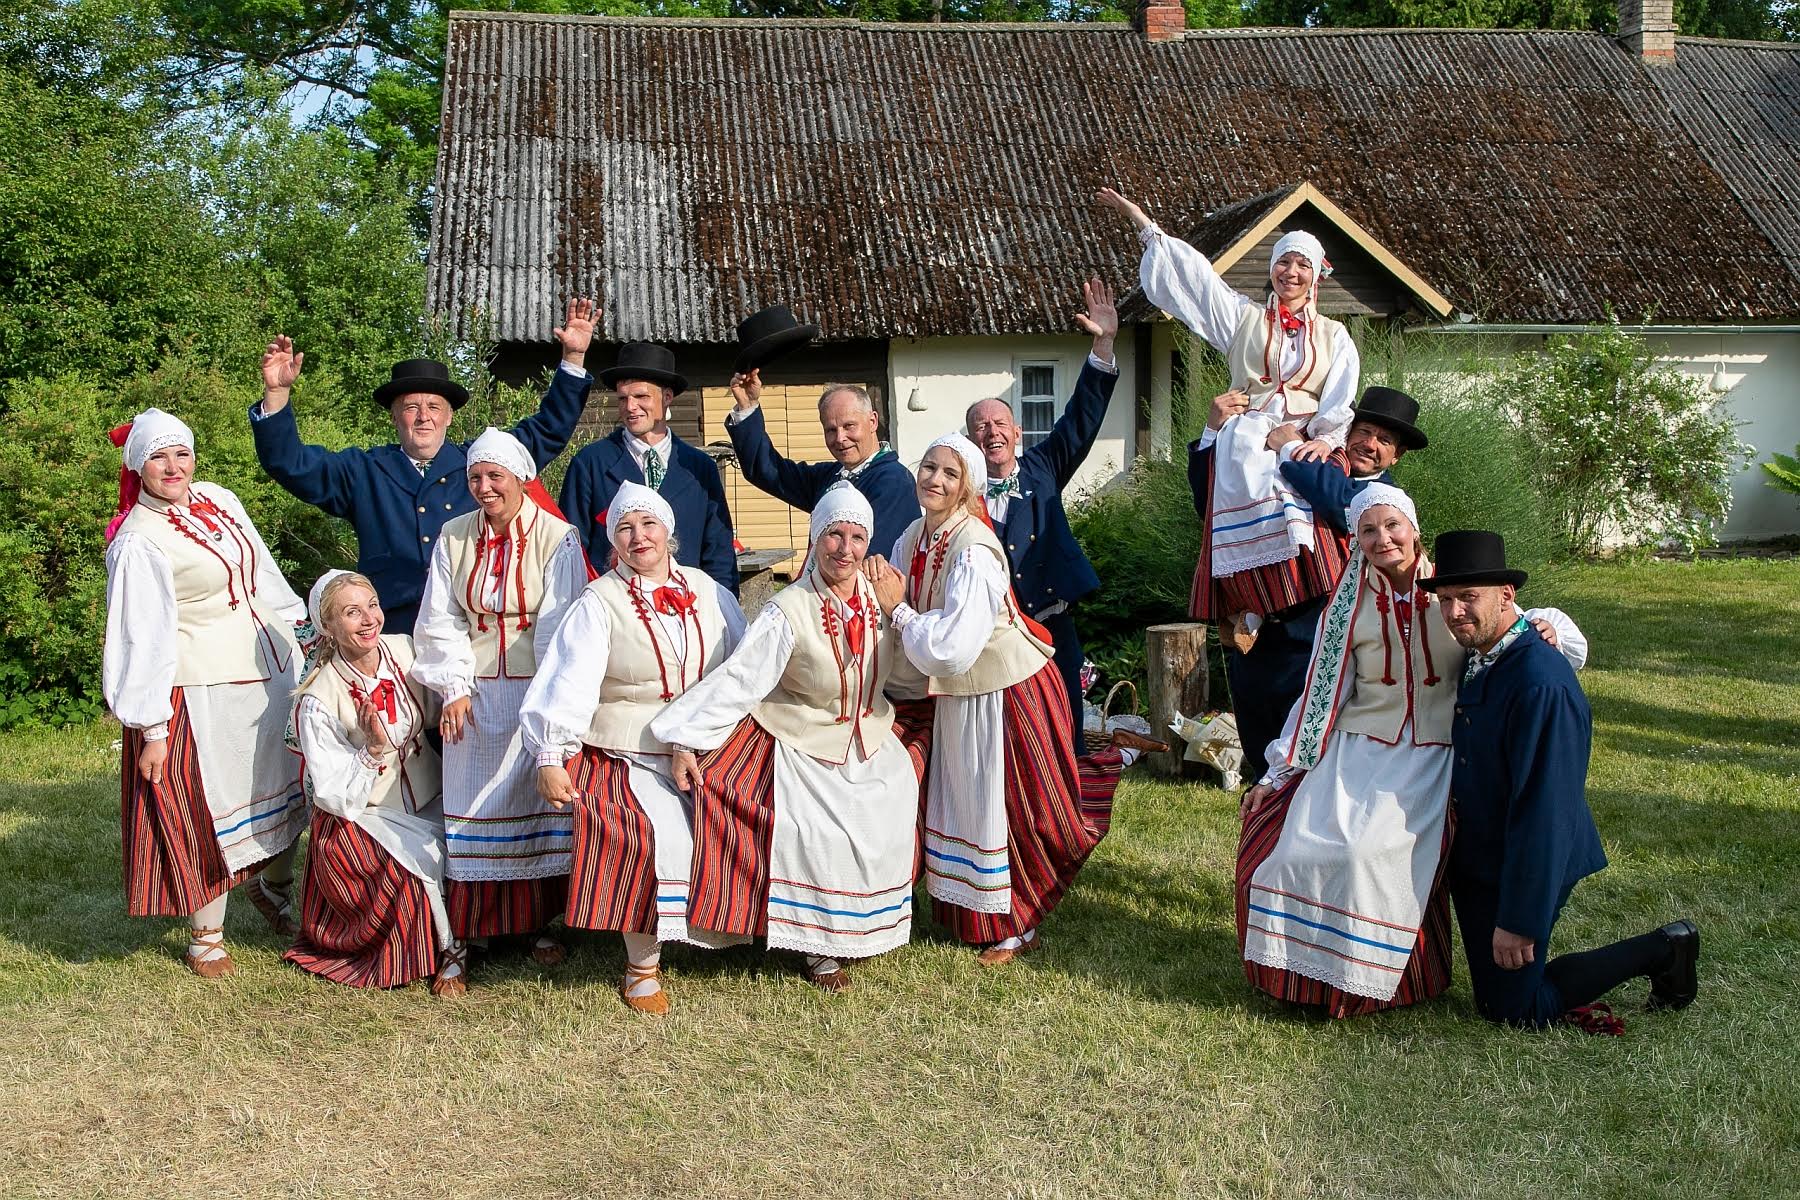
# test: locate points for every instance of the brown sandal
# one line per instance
(446, 986)
(275, 901)
(837, 979)
(655, 1004)
(998, 955)
(548, 952)
(202, 964)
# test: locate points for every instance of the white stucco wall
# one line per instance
(949, 374)
(1763, 370)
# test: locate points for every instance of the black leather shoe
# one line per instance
(1676, 985)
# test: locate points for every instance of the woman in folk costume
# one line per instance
(199, 662)
(637, 638)
(1340, 898)
(500, 579)
(1265, 563)
(806, 812)
(372, 910)
(1010, 815)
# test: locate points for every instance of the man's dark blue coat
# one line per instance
(1524, 833)
(886, 483)
(691, 485)
(395, 510)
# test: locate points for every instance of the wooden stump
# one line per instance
(1176, 658)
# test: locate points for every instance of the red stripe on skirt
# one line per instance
(1272, 588)
(734, 822)
(1055, 813)
(914, 723)
(482, 908)
(1427, 970)
(612, 870)
(173, 864)
(364, 919)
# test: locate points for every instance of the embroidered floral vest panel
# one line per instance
(1013, 653)
(632, 692)
(224, 632)
(830, 700)
(414, 775)
(502, 640)
(1390, 669)
(1254, 356)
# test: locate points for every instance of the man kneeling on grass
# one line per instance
(1524, 833)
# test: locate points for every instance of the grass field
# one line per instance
(1127, 1059)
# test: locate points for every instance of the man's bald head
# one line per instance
(991, 427)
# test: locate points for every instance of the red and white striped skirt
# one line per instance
(1427, 970)
(173, 865)
(364, 919)
(734, 823)
(497, 907)
(1057, 810)
(612, 870)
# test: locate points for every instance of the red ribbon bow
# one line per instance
(204, 511)
(382, 697)
(673, 601)
(1289, 322)
(853, 628)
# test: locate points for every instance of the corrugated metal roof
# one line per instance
(903, 180)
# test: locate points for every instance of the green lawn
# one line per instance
(1127, 1059)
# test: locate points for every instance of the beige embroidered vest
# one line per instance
(413, 777)
(503, 640)
(1254, 356)
(225, 632)
(1013, 653)
(1424, 668)
(830, 700)
(644, 669)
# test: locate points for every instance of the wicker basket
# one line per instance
(1099, 740)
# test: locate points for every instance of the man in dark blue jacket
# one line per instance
(852, 435)
(644, 450)
(1385, 427)
(1024, 492)
(398, 496)
(1524, 834)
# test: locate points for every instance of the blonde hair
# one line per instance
(326, 646)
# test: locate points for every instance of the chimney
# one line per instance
(1164, 20)
(1647, 29)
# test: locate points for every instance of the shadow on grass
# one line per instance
(1747, 639)
(1759, 741)
(63, 893)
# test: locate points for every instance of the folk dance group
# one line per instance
(516, 711)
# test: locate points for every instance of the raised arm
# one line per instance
(547, 431)
(1071, 439)
(792, 482)
(1179, 280)
(579, 503)
(326, 479)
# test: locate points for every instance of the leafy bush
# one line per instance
(1783, 471)
(1624, 447)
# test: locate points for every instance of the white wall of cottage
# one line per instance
(948, 374)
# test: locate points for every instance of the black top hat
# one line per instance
(421, 375)
(1471, 556)
(1395, 410)
(765, 336)
(649, 362)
